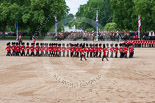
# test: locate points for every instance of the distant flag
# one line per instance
(56, 20)
(16, 24)
(139, 22)
(96, 21)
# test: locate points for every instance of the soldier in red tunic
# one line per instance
(82, 52)
(91, 50)
(54, 50)
(8, 48)
(87, 50)
(27, 49)
(41, 49)
(32, 49)
(131, 50)
(111, 50)
(17, 49)
(22, 48)
(95, 50)
(99, 50)
(59, 50)
(76, 50)
(50, 50)
(116, 50)
(63, 49)
(13, 48)
(37, 49)
(121, 50)
(104, 53)
(125, 50)
(72, 50)
(46, 49)
(67, 49)
(80, 47)
(107, 50)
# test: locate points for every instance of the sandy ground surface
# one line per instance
(68, 80)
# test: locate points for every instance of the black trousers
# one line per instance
(104, 56)
(116, 55)
(46, 53)
(91, 54)
(71, 54)
(50, 54)
(67, 54)
(37, 53)
(23, 53)
(32, 53)
(8, 53)
(125, 55)
(27, 54)
(63, 53)
(87, 54)
(13, 53)
(17, 53)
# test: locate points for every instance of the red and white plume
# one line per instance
(139, 23)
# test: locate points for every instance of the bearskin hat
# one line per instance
(103, 45)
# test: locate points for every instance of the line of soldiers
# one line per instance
(70, 50)
(141, 43)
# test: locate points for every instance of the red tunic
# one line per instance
(58, 49)
(131, 49)
(27, 48)
(95, 49)
(76, 49)
(13, 48)
(45, 49)
(53, 48)
(17, 48)
(67, 49)
(41, 48)
(8, 48)
(91, 49)
(87, 49)
(37, 48)
(50, 49)
(22, 48)
(63, 49)
(125, 50)
(116, 50)
(111, 49)
(104, 52)
(71, 49)
(99, 49)
(32, 48)
(120, 49)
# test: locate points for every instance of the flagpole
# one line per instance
(17, 30)
(97, 25)
(55, 26)
(139, 24)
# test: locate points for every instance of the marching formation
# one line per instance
(71, 50)
(141, 43)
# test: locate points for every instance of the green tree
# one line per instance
(110, 27)
(87, 13)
